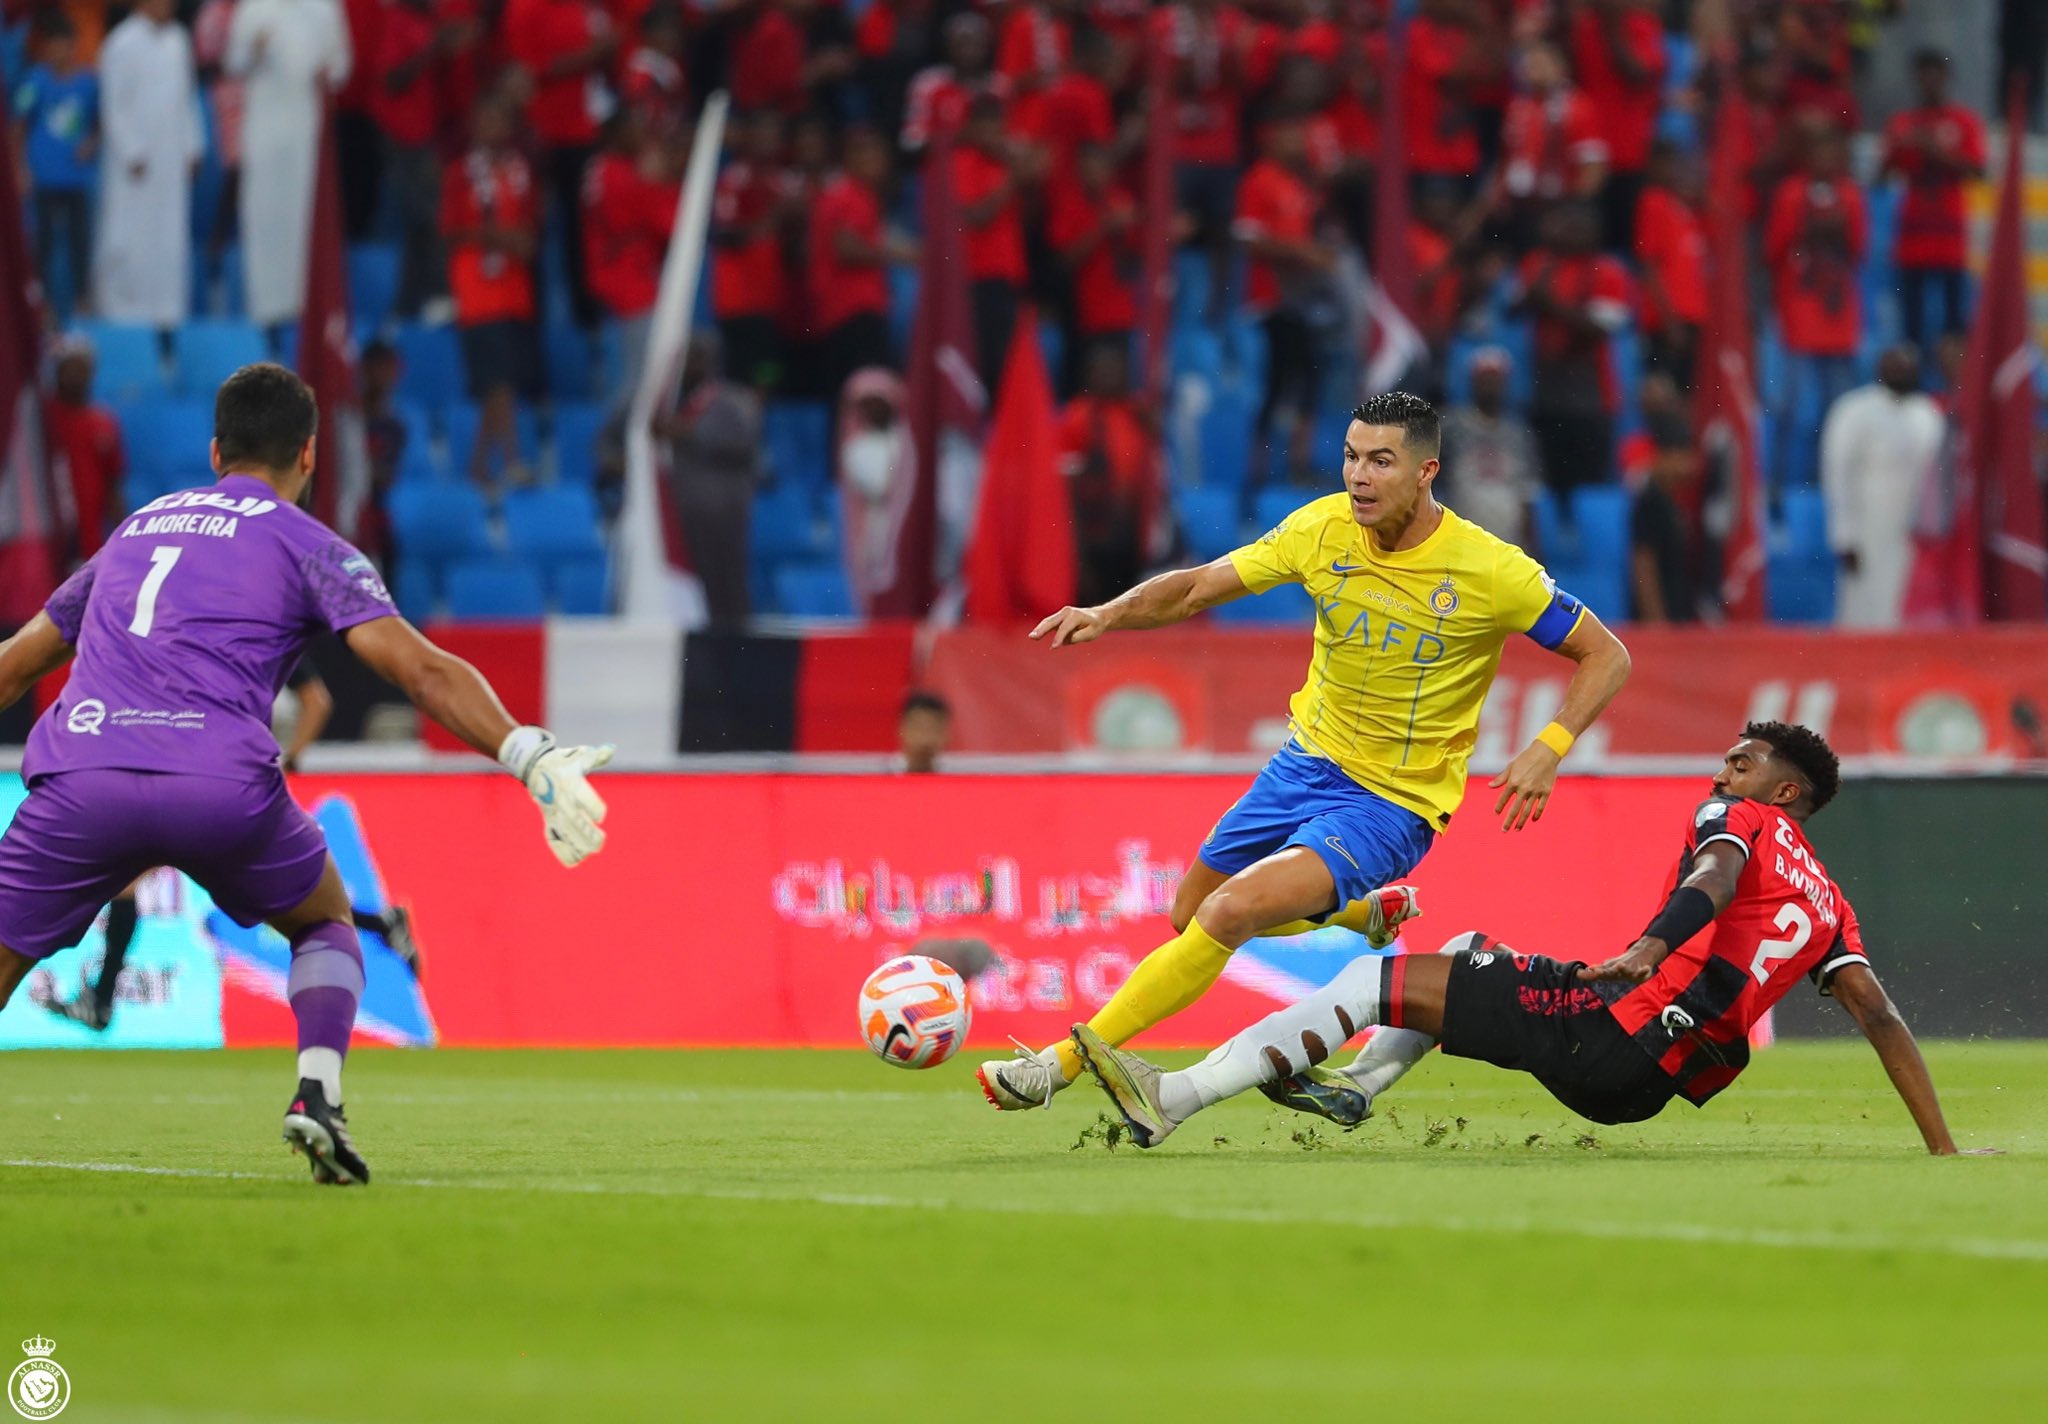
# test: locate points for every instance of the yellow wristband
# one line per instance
(1557, 738)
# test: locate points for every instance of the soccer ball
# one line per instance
(914, 1012)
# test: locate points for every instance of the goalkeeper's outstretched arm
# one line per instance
(1171, 597)
(456, 695)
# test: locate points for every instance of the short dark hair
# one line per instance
(55, 25)
(1930, 58)
(263, 417)
(923, 701)
(1806, 752)
(1420, 427)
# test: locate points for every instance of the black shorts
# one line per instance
(502, 353)
(1524, 1012)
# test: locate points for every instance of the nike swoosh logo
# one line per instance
(1345, 568)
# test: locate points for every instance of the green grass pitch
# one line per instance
(795, 1236)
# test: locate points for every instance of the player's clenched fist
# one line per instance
(1073, 625)
(558, 779)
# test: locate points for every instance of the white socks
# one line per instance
(1386, 1057)
(323, 1066)
(1283, 1043)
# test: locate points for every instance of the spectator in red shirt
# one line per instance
(85, 446)
(566, 47)
(1554, 145)
(1076, 108)
(988, 172)
(1092, 226)
(1037, 43)
(356, 148)
(851, 251)
(629, 208)
(1936, 147)
(1444, 61)
(1288, 286)
(1109, 452)
(939, 95)
(1210, 45)
(749, 212)
(406, 101)
(653, 79)
(490, 218)
(1814, 245)
(1671, 251)
(893, 42)
(768, 58)
(1579, 297)
(1618, 51)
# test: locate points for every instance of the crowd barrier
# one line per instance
(747, 909)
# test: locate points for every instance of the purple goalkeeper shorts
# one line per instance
(81, 836)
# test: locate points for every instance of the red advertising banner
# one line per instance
(1976, 694)
(747, 910)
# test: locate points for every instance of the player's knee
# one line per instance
(1230, 914)
(1468, 939)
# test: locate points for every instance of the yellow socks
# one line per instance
(1166, 981)
(1353, 916)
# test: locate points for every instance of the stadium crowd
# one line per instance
(509, 171)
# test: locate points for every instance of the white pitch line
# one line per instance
(1683, 1233)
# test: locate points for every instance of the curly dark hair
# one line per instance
(1806, 752)
(1420, 427)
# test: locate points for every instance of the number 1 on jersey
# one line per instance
(162, 559)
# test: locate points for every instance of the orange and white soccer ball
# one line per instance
(914, 1012)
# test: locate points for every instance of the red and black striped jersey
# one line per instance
(1788, 919)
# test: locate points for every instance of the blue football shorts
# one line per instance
(1301, 800)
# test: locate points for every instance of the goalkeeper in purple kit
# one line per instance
(180, 632)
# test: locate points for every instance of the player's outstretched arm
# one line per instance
(1603, 666)
(1171, 597)
(29, 656)
(1692, 906)
(1856, 989)
(456, 695)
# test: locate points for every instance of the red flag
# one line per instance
(1393, 342)
(1729, 436)
(327, 353)
(29, 521)
(1021, 563)
(1155, 292)
(1997, 406)
(945, 398)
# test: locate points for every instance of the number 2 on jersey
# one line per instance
(162, 559)
(1790, 917)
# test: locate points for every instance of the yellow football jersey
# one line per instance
(1407, 643)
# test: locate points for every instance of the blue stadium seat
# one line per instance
(460, 422)
(1806, 526)
(234, 279)
(433, 369)
(784, 444)
(495, 590)
(131, 364)
(373, 270)
(167, 439)
(571, 362)
(1225, 456)
(581, 588)
(1209, 520)
(1600, 581)
(208, 352)
(813, 588)
(417, 589)
(445, 520)
(1195, 351)
(1600, 516)
(1275, 502)
(1551, 542)
(552, 524)
(578, 425)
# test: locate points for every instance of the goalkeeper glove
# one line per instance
(557, 777)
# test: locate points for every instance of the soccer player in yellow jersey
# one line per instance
(1413, 606)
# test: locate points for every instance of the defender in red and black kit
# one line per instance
(1749, 913)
